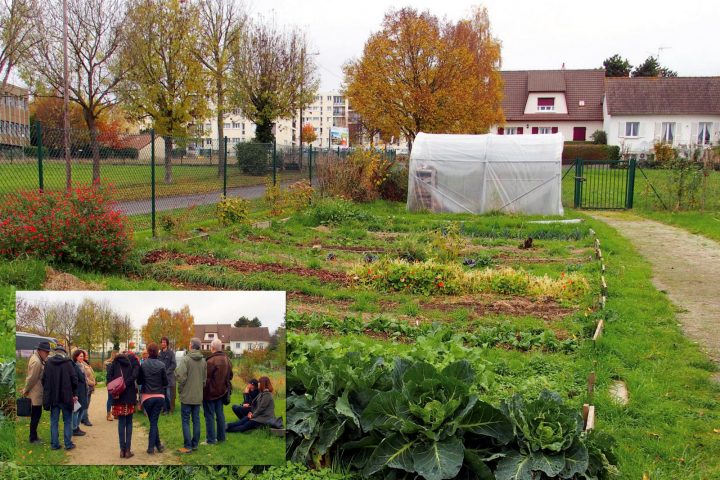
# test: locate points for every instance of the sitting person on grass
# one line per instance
(262, 409)
(250, 393)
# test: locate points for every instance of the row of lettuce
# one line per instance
(415, 417)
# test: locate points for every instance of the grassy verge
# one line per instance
(701, 223)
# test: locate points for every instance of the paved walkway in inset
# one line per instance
(686, 266)
(101, 445)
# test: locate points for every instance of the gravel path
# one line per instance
(686, 266)
(101, 445)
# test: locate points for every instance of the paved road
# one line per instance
(686, 266)
(135, 207)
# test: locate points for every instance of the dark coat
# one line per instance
(168, 358)
(219, 375)
(263, 408)
(130, 371)
(60, 382)
(250, 396)
(152, 376)
(82, 388)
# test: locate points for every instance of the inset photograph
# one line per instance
(151, 377)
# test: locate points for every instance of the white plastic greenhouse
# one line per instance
(483, 173)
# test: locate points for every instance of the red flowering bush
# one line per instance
(76, 227)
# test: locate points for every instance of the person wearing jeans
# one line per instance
(78, 357)
(190, 375)
(124, 406)
(167, 357)
(153, 378)
(33, 387)
(60, 385)
(262, 409)
(219, 376)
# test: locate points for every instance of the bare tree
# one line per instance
(18, 34)
(221, 24)
(274, 75)
(63, 315)
(28, 317)
(95, 37)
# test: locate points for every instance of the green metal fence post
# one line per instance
(578, 182)
(41, 176)
(630, 185)
(274, 160)
(152, 180)
(225, 167)
(310, 163)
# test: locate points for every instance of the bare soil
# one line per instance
(247, 267)
(546, 309)
(685, 266)
(101, 445)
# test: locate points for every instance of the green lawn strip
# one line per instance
(701, 223)
(667, 428)
(256, 447)
(135, 472)
(29, 454)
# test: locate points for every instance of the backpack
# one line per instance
(117, 386)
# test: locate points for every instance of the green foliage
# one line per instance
(599, 137)
(616, 66)
(253, 158)
(232, 211)
(298, 471)
(420, 278)
(176, 224)
(413, 416)
(334, 212)
(447, 242)
(512, 283)
(23, 273)
(652, 68)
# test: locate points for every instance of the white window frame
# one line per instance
(630, 131)
(668, 132)
(510, 131)
(546, 108)
(704, 133)
(544, 130)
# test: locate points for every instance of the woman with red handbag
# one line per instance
(123, 406)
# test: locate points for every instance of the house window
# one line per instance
(632, 129)
(704, 133)
(546, 104)
(238, 346)
(208, 142)
(668, 132)
(545, 130)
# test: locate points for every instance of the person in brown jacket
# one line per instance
(33, 387)
(91, 382)
(219, 375)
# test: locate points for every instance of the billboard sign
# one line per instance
(339, 137)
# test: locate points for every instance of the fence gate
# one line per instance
(604, 184)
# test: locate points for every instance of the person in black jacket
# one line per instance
(167, 356)
(60, 384)
(108, 368)
(251, 391)
(124, 406)
(154, 381)
(82, 392)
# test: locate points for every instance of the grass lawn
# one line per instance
(519, 342)
(702, 223)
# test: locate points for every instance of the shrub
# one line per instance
(664, 153)
(176, 225)
(573, 151)
(447, 242)
(357, 177)
(395, 186)
(299, 195)
(599, 137)
(76, 227)
(253, 158)
(231, 211)
(274, 197)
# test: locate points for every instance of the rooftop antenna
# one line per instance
(660, 49)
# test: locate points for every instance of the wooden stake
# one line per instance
(590, 422)
(604, 285)
(602, 268)
(597, 243)
(585, 412)
(603, 299)
(598, 330)
(592, 232)
(591, 383)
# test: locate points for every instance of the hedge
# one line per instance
(573, 151)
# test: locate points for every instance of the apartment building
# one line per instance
(14, 117)
(328, 109)
(239, 129)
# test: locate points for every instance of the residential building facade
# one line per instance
(569, 102)
(239, 340)
(239, 129)
(328, 109)
(681, 111)
(14, 117)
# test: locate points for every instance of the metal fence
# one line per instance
(149, 173)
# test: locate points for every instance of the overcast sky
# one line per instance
(534, 34)
(206, 307)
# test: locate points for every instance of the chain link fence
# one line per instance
(148, 173)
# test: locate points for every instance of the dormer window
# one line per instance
(546, 104)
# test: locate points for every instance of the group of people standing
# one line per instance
(64, 385)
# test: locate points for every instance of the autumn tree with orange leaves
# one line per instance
(308, 133)
(423, 74)
(178, 326)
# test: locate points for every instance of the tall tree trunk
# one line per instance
(220, 108)
(168, 158)
(94, 146)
